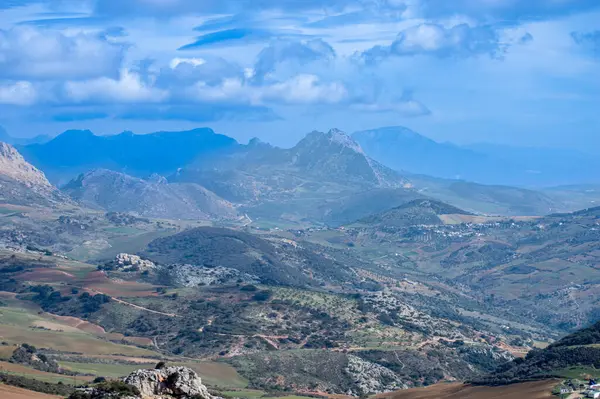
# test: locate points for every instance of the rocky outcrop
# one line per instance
(23, 184)
(160, 383)
(14, 166)
(128, 262)
(372, 378)
(169, 382)
(194, 276)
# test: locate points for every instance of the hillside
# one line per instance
(273, 262)
(23, 184)
(118, 192)
(417, 212)
(579, 350)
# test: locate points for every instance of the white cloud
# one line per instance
(305, 89)
(30, 53)
(18, 93)
(175, 62)
(129, 88)
(301, 89)
(436, 40)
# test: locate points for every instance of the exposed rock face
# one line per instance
(170, 382)
(23, 184)
(165, 383)
(372, 378)
(14, 166)
(128, 261)
(193, 276)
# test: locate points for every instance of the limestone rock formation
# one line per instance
(159, 383)
(169, 382)
(14, 166)
(128, 261)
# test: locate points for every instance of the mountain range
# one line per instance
(79, 151)
(403, 149)
(7, 138)
(328, 177)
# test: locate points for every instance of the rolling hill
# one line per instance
(417, 212)
(118, 192)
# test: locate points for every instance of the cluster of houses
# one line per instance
(593, 390)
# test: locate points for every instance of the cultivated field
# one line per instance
(530, 390)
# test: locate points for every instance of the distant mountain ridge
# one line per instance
(327, 176)
(78, 151)
(403, 149)
(7, 138)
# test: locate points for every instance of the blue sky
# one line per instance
(521, 72)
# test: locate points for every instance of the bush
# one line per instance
(36, 385)
(114, 389)
(262, 296)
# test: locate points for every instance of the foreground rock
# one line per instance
(163, 383)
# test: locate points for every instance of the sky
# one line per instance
(517, 72)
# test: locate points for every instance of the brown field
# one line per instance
(8, 392)
(530, 390)
(46, 276)
(97, 281)
(78, 324)
(69, 342)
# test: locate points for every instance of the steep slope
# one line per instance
(335, 155)
(117, 192)
(580, 349)
(301, 182)
(417, 212)
(23, 184)
(75, 152)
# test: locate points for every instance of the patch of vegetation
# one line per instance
(36, 385)
(113, 389)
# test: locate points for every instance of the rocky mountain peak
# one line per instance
(341, 138)
(334, 139)
(14, 166)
